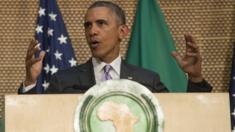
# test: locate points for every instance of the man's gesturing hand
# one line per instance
(191, 61)
(33, 64)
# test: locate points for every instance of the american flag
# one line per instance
(53, 37)
(232, 93)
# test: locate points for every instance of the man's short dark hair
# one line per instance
(114, 7)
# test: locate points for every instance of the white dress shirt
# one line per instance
(114, 71)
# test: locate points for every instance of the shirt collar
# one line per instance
(98, 64)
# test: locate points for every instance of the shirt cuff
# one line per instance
(26, 89)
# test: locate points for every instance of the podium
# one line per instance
(183, 112)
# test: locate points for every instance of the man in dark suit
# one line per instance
(105, 27)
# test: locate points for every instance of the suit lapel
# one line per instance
(87, 77)
(125, 72)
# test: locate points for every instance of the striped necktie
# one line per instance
(107, 69)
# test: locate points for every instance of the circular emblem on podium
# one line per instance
(118, 106)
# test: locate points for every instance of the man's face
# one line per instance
(103, 33)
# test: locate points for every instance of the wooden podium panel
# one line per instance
(183, 112)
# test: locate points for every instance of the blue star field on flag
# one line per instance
(53, 38)
(232, 93)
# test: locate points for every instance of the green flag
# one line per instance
(1, 125)
(151, 45)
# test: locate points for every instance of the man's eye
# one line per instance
(87, 25)
(101, 22)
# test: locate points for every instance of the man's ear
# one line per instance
(123, 31)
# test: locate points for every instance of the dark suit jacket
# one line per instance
(80, 78)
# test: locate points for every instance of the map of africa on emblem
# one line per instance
(118, 106)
